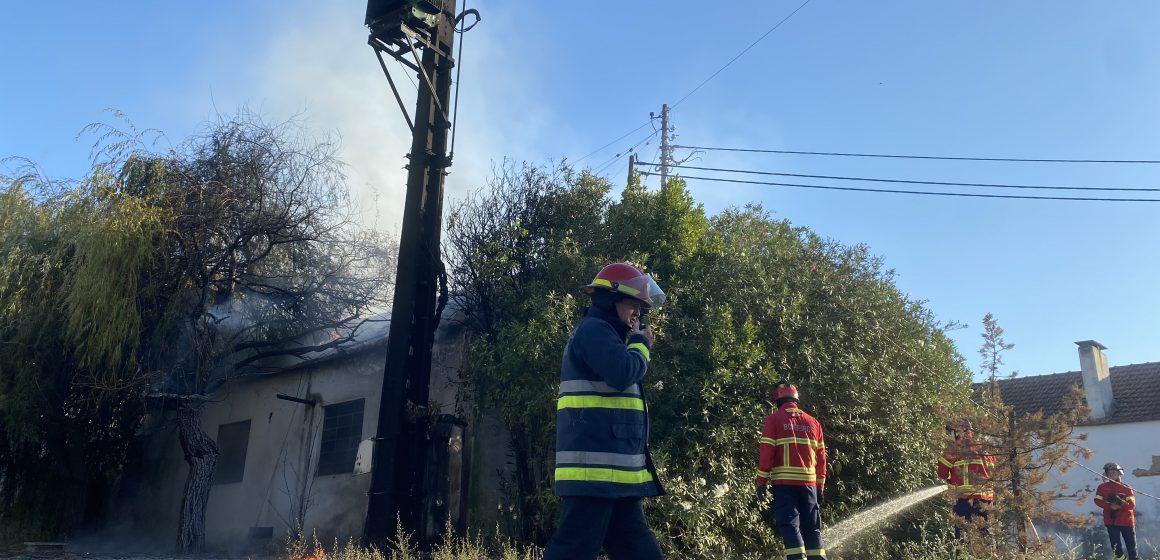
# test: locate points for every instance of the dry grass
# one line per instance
(402, 547)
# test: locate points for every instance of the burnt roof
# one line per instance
(1135, 391)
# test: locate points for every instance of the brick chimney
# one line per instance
(1097, 383)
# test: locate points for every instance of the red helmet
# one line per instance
(785, 390)
(623, 278)
(962, 428)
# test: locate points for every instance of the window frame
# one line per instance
(228, 457)
(344, 428)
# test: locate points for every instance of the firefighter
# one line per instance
(793, 461)
(1119, 503)
(966, 467)
(603, 466)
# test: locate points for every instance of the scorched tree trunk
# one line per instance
(201, 454)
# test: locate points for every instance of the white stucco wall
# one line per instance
(1132, 446)
(281, 458)
(283, 454)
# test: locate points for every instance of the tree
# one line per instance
(773, 300)
(993, 348)
(229, 255)
(62, 438)
(1028, 447)
(751, 299)
(518, 251)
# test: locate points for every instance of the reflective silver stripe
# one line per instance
(582, 386)
(599, 458)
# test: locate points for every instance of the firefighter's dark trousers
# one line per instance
(616, 525)
(799, 520)
(968, 509)
(1129, 535)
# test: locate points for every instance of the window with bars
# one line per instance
(233, 440)
(341, 433)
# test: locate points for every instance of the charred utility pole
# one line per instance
(402, 29)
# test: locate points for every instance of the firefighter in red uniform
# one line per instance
(793, 461)
(966, 468)
(1118, 502)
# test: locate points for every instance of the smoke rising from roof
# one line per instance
(318, 65)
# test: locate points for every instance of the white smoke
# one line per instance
(317, 65)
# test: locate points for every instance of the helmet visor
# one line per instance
(656, 296)
(642, 288)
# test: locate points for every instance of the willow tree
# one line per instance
(64, 434)
(229, 255)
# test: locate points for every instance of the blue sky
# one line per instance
(548, 80)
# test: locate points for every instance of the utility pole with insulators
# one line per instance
(419, 34)
(666, 150)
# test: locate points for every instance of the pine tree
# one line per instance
(1028, 447)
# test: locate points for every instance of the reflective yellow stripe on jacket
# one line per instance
(597, 401)
(787, 471)
(591, 474)
(600, 466)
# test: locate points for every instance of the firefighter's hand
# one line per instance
(762, 494)
(647, 334)
(821, 496)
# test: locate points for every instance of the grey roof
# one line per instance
(371, 335)
(1135, 391)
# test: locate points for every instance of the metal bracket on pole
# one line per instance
(431, 84)
(395, 90)
(416, 36)
(396, 53)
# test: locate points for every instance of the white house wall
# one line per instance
(281, 457)
(283, 453)
(1132, 445)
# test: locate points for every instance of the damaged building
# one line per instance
(295, 452)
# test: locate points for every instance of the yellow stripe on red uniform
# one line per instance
(969, 472)
(792, 449)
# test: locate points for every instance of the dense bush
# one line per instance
(752, 299)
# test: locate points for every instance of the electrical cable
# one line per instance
(597, 169)
(907, 156)
(618, 139)
(600, 169)
(901, 191)
(705, 81)
(280, 459)
(616, 159)
(459, 69)
(906, 181)
(740, 54)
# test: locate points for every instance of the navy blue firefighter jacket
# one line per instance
(601, 418)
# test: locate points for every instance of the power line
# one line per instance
(900, 191)
(703, 82)
(909, 156)
(608, 162)
(618, 139)
(617, 157)
(740, 54)
(907, 181)
(1105, 477)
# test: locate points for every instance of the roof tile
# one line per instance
(1135, 391)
